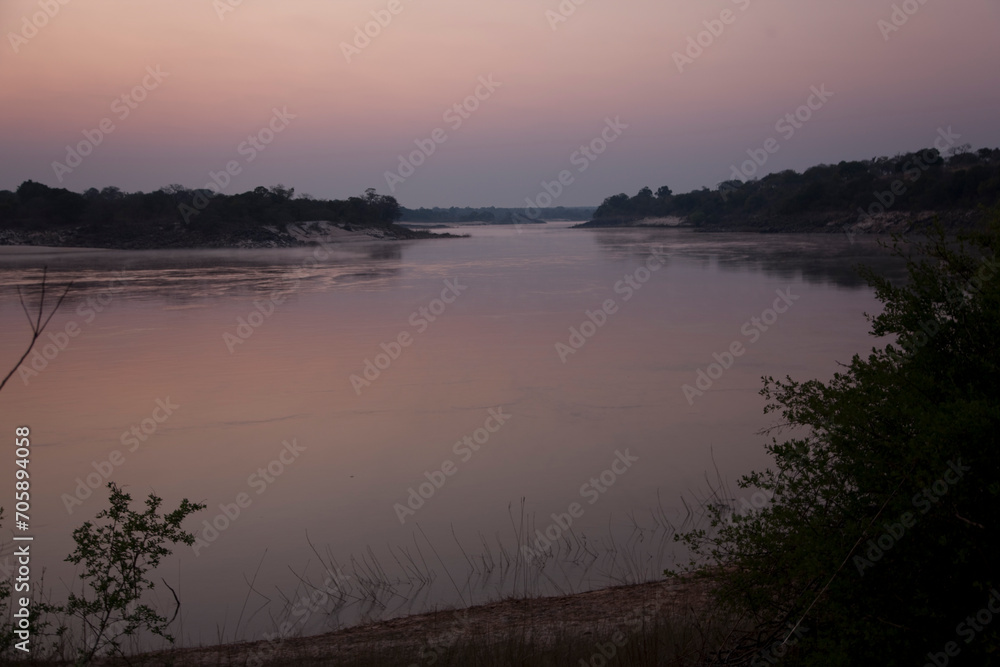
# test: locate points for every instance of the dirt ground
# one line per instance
(541, 619)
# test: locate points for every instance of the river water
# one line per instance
(514, 375)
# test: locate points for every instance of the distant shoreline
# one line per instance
(307, 234)
(891, 222)
(297, 235)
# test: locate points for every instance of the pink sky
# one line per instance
(226, 74)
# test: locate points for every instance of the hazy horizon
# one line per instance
(214, 73)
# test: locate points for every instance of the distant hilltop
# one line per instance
(897, 194)
(176, 217)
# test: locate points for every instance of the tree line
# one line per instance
(177, 216)
(912, 182)
(493, 215)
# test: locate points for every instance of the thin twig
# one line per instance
(37, 325)
(177, 609)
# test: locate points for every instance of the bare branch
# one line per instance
(971, 523)
(37, 325)
(177, 609)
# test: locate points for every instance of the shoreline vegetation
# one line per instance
(659, 622)
(883, 195)
(492, 215)
(175, 217)
(665, 622)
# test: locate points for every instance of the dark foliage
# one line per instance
(912, 182)
(882, 532)
(493, 215)
(176, 216)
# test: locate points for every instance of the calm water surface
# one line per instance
(160, 326)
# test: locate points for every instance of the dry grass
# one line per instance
(662, 623)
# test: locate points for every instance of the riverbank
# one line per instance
(888, 222)
(269, 236)
(664, 623)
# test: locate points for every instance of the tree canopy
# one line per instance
(880, 542)
(912, 182)
(176, 215)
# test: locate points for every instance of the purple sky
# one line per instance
(288, 92)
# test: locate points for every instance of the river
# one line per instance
(395, 419)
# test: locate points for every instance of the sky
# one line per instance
(559, 103)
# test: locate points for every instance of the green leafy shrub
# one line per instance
(117, 553)
(882, 536)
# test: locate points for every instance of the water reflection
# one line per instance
(817, 258)
(183, 276)
(163, 335)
